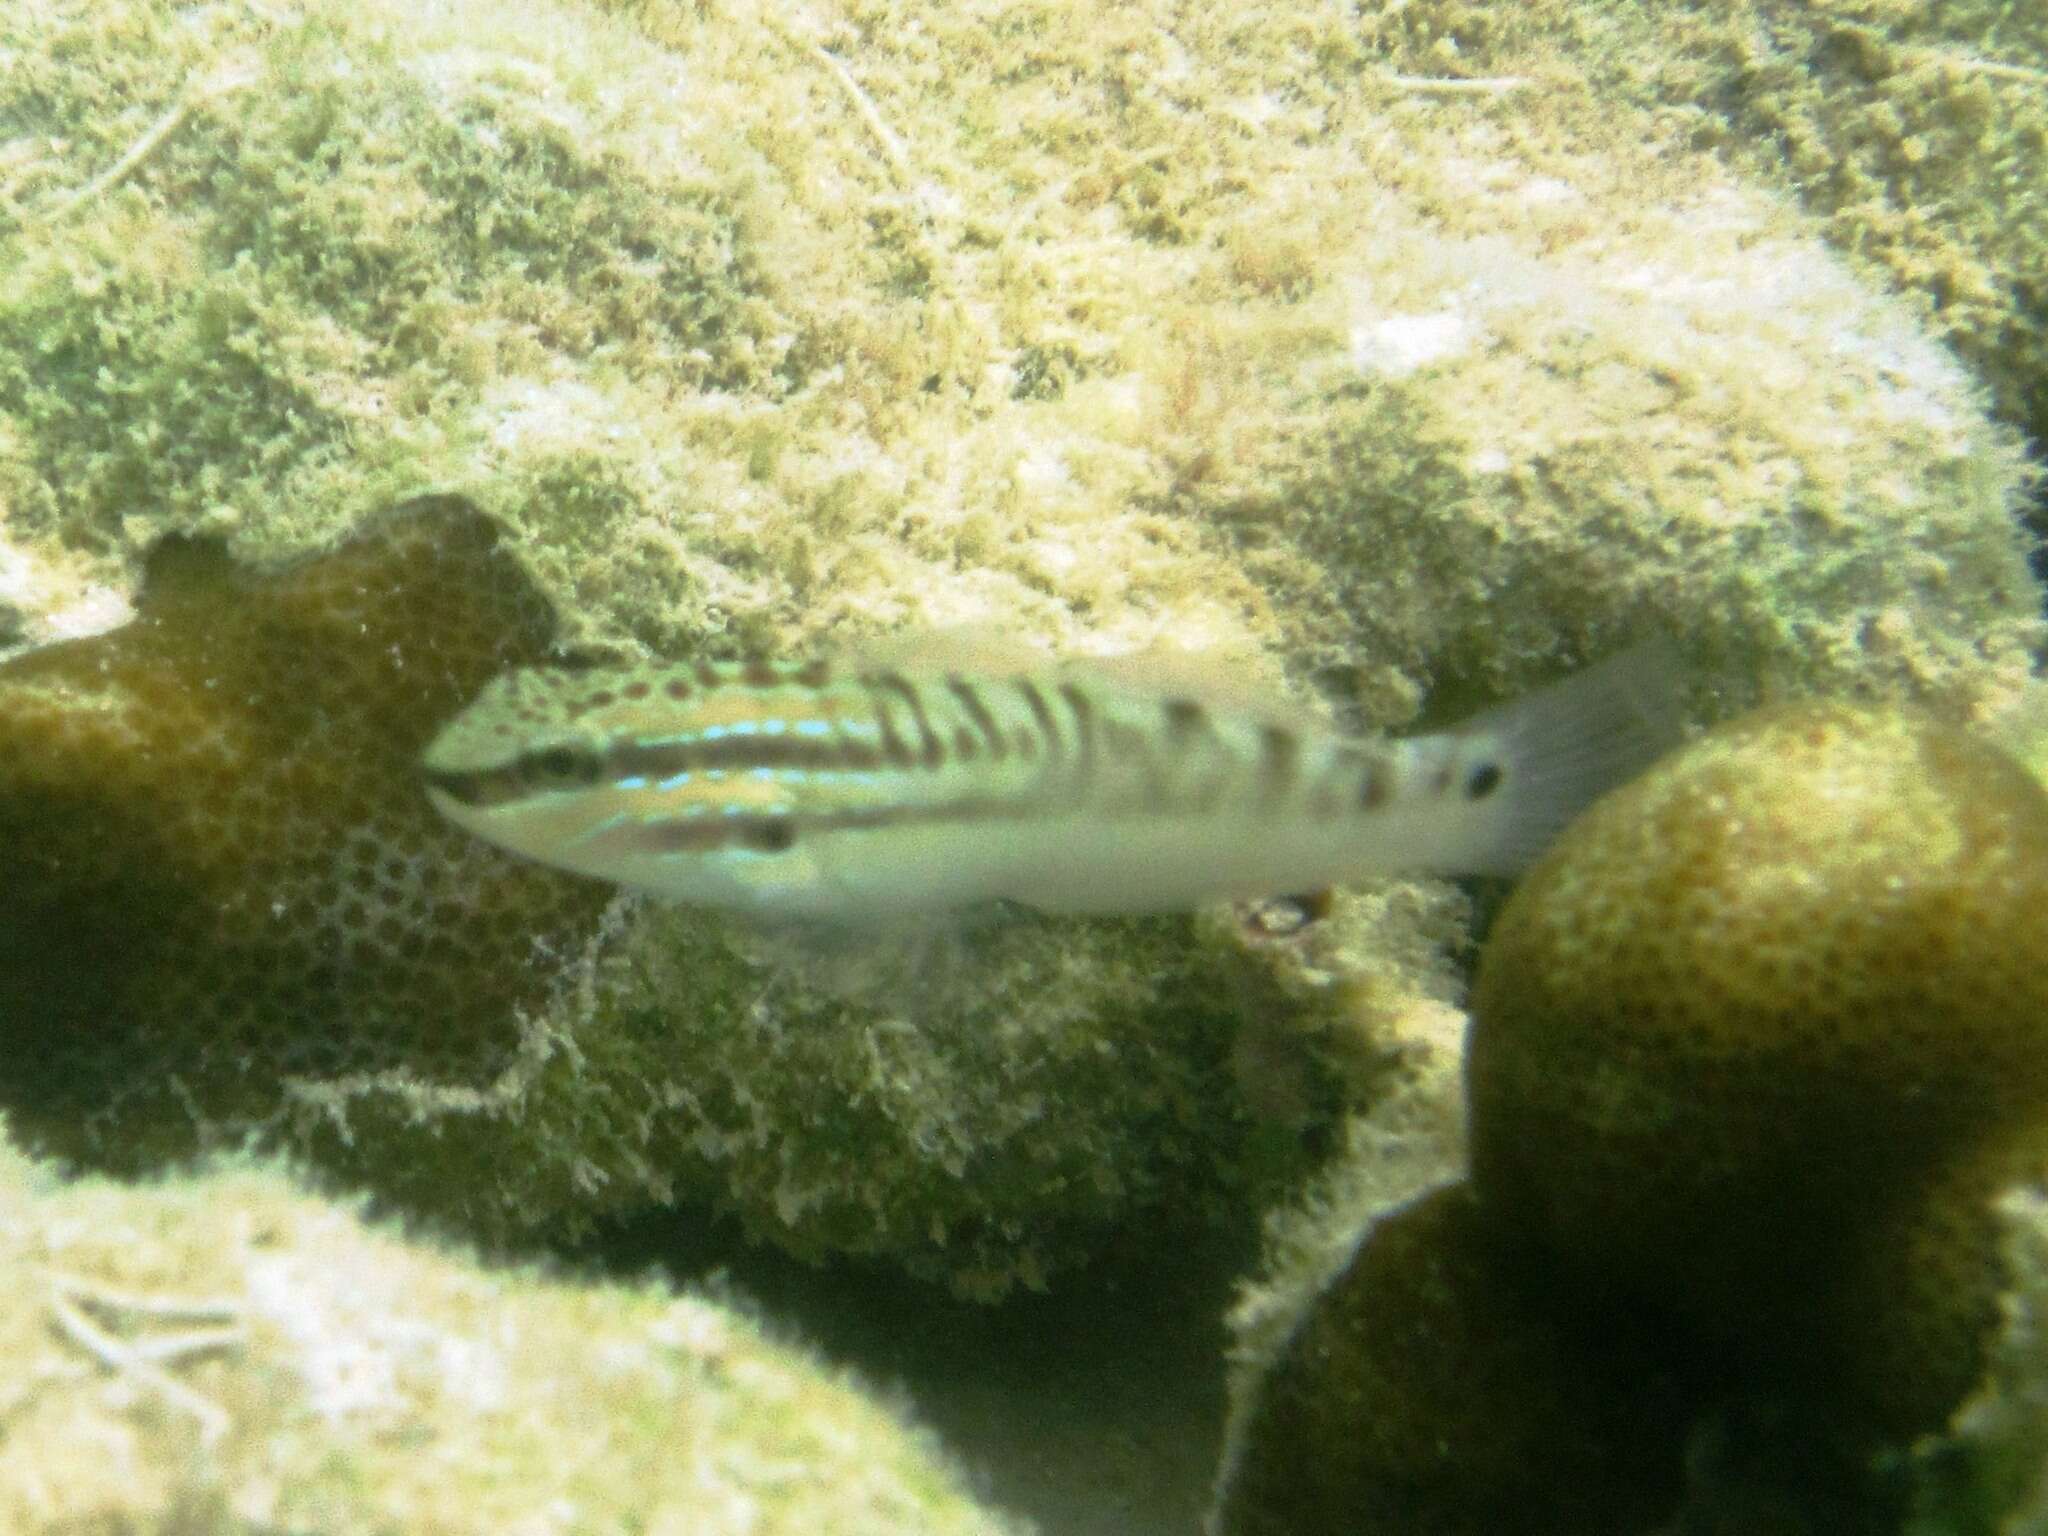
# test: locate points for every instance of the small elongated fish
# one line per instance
(845, 793)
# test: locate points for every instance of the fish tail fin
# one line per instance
(1563, 747)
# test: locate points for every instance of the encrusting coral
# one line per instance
(1755, 1051)
(220, 871)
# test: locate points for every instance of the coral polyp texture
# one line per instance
(219, 868)
(1767, 1033)
(1427, 1393)
(1755, 1053)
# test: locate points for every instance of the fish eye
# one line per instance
(1482, 781)
(559, 765)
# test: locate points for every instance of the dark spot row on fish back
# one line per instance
(1354, 778)
(978, 733)
(984, 723)
(702, 675)
(930, 752)
(914, 732)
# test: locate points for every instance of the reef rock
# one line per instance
(225, 1353)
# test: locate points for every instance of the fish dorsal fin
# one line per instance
(982, 648)
(1230, 682)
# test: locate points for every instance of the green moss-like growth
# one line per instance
(227, 1354)
(1918, 135)
(1915, 134)
(221, 871)
(1775, 1013)
(937, 1101)
(333, 252)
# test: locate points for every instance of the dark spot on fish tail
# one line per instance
(1025, 743)
(966, 745)
(1279, 761)
(815, 673)
(1482, 781)
(932, 750)
(1041, 712)
(707, 673)
(636, 690)
(1376, 784)
(759, 672)
(977, 712)
(677, 688)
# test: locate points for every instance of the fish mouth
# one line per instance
(473, 789)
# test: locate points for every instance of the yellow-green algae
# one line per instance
(1913, 133)
(361, 1382)
(1107, 325)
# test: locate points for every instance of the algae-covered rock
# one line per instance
(226, 1353)
(1916, 133)
(760, 332)
(1913, 133)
